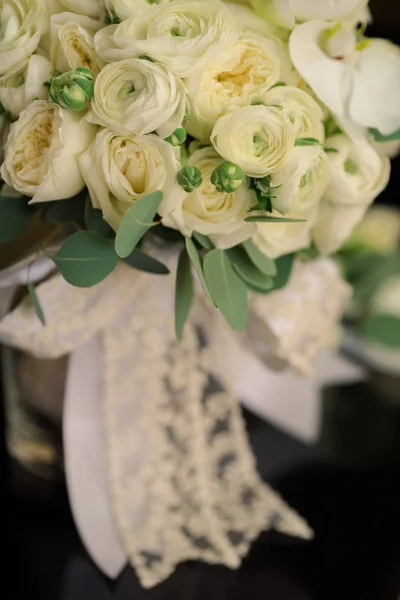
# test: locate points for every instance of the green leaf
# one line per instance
(62, 211)
(331, 127)
(184, 292)
(266, 219)
(328, 150)
(263, 263)
(203, 240)
(144, 262)
(15, 217)
(284, 266)
(306, 141)
(86, 258)
(94, 220)
(384, 329)
(35, 302)
(227, 289)
(379, 137)
(167, 234)
(136, 221)
(198, 265)
(248, 272)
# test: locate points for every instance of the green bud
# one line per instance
(177, 138)
(228, 177)
(189, 178)
(73, 89)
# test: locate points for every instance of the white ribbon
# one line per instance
(158, 466)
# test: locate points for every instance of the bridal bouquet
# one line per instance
(234, 144)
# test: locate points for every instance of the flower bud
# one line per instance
(227, 177)
(72, 89)
(177, 138)
(189, 178)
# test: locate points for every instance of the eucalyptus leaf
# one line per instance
(379, 137)
(263, 263)
(284, 266)
(198, 265)
(144, 262)
(15, 217)
(306, 141)
(136, 221)
(227, 289)
(203, 241)
(35, 302)
(383, 329)
(167, 234)
(247, 270)
(86, 258)
(184, 292)
(266, 219)
(94, 220)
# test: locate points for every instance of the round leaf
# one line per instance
(136, 221)
(248, 272)
(15, 217)
(86, 258)
(144, 262)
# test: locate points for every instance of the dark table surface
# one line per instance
(347, 486)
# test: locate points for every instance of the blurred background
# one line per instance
(346, 483)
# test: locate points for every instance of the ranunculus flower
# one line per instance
(335, 224)
(278, 239)
(363, 86)
(358, 172)
(303, 111)
(247, 69)
(257, 138)
(88, 8)
(23, 22)
(120, 169)
(181, 35)
(20, 88)
(286, 13)
(71, 42)
(302, 181)
(219, 215)
(138, 96)
(42, 151)
(123, 9)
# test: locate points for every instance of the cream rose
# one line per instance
(88, 8)
(22, 23)
(20, 88)
(218, 215)
(138, 96)
(302, 181)
(257, 138)
(119, 170)
(278, 239)
(303, 111)
(71, 42)
(181, 35)
(358, 172)
(42, 151)
(245, 70)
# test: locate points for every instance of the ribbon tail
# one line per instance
(86, 461)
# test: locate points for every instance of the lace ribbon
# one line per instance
(182, 482)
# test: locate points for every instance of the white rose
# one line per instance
(42, 151)
(180, 35)
(358, 172)
(22, 24)
(302, 181)
(71, 42)
(278, 239)
(19, 89)
(305, 114)
(138, 96)
(345, 84)
(257, 138)
(245, 70)
(218, 215)
(335, 223)
(287, 12)
(118, 170)
(88, 8)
